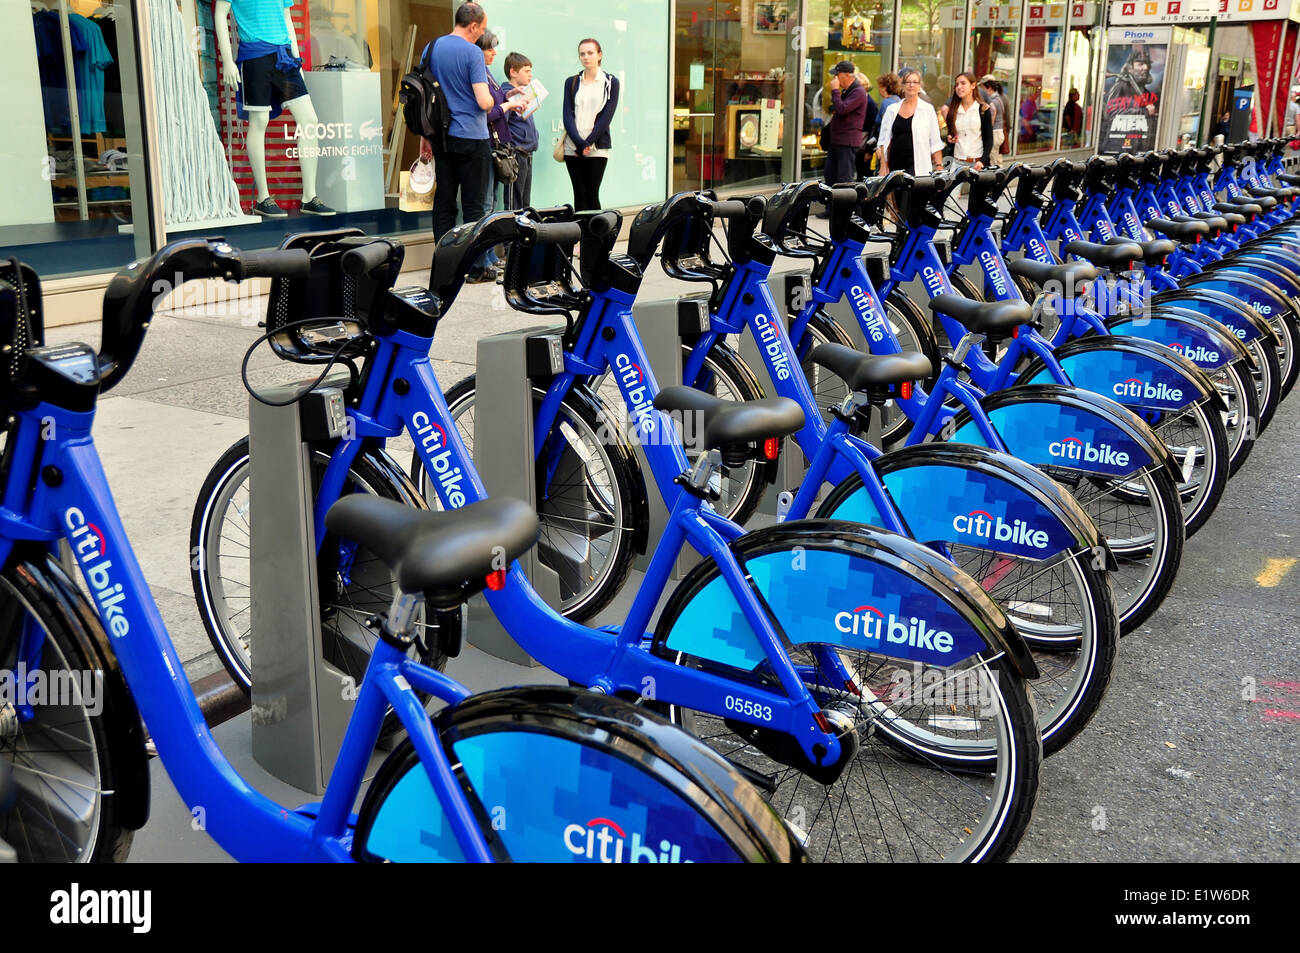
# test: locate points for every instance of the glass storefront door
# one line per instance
(994, 47)
(731, 94)
(1083, 46)
(1041, 61)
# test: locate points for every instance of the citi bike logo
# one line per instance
(993, 268)
(1132, 222)
(870, 623)
(769, 336)
(933, 280)
(875, 325)
(1072, 448)
(1195, 352)
(983, 525)
(1039, 251)
(603, 840)
(1136, 388)
(434, 441)
(92, 553)
(1260, 308)
(636, 393)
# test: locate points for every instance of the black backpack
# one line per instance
(424, 107)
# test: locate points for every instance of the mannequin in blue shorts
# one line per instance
(268, 77)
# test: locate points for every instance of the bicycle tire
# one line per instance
(993, 837)
(622, 481)
(1063, 709)
(346, 639)
(66, 743)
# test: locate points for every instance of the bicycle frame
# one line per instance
(77, 505)
(613, 659)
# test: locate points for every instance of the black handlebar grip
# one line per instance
(601, 225)
(364, 259)
(293, 263)
(557, 233)
(732, 208)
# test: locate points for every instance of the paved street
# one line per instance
(1192, 757)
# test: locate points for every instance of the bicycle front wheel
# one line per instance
(902, 803)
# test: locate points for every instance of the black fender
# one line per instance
(404, 488)
(1201, 327)
(37, 574)
(920, 478)
(1234, 313)
(1038, 420)
(1113, 352)
(672, 768)
(780, 561)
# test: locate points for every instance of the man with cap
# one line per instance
(849, 111)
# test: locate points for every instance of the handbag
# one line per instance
(416, 188)
(504, 161)
(558, 151)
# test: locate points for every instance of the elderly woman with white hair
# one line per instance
(909, 134)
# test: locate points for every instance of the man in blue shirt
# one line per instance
(464, 169)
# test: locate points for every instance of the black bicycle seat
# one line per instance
(437, 551)
(1154, 252)
(1071, 274)
(861, 371)
(1243, 207)
(729, 422)
(1120, 255)
(981, 317)
(1289, 179)
(1264, 192)
(1179, 231)
(1266, 203)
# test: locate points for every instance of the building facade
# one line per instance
(138, 139)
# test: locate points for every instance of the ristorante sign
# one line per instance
(1201, 11)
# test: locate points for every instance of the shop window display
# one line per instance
(860, 32)
(1041, 63)
(1083, 50)
(68, 206)
(993, 50)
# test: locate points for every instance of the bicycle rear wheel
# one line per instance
(59, 794)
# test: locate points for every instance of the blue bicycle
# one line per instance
(869, 686)
(90, 675)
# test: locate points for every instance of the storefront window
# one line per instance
(930, 40)
(1083, 50)
(1190, 100)
(861, 33)
(994, 39)
(1040, 76)
(730, 92)
(73, 167)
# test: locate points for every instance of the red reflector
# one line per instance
(822, 723)
(1015, 332)
(771, 448)
(852, 688)
(496, 580)
(1164, 261)
(1198, 238)
(905, 390)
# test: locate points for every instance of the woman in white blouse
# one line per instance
(970, 124)
(909, 133)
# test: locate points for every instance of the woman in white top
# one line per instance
(909, 134)
(590, 102)
(970, 124)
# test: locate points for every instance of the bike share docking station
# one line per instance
(510, 366)
(301, 701)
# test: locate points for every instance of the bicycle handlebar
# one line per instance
(294, 263)
(366, 259)
(730, 208)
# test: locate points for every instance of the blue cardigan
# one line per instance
(600, 131)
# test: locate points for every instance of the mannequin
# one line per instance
(269, 75)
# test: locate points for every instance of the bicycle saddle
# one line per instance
(1071, 274)
(861, 371)
(1119, 255)
(1179, 231)
(729, 422)
(1245, 207)
(1154, 252)
(982, 317)
(1266, 203)
(1265, 192)
(1216, 222)
(1289, 179)
(437, 552)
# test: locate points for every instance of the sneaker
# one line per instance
(268, 209)
(316, 207)
(479, 276)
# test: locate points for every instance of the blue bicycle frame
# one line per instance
(78, 506)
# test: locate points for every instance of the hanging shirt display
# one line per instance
(90, 59)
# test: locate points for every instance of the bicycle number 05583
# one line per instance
(752, 709)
